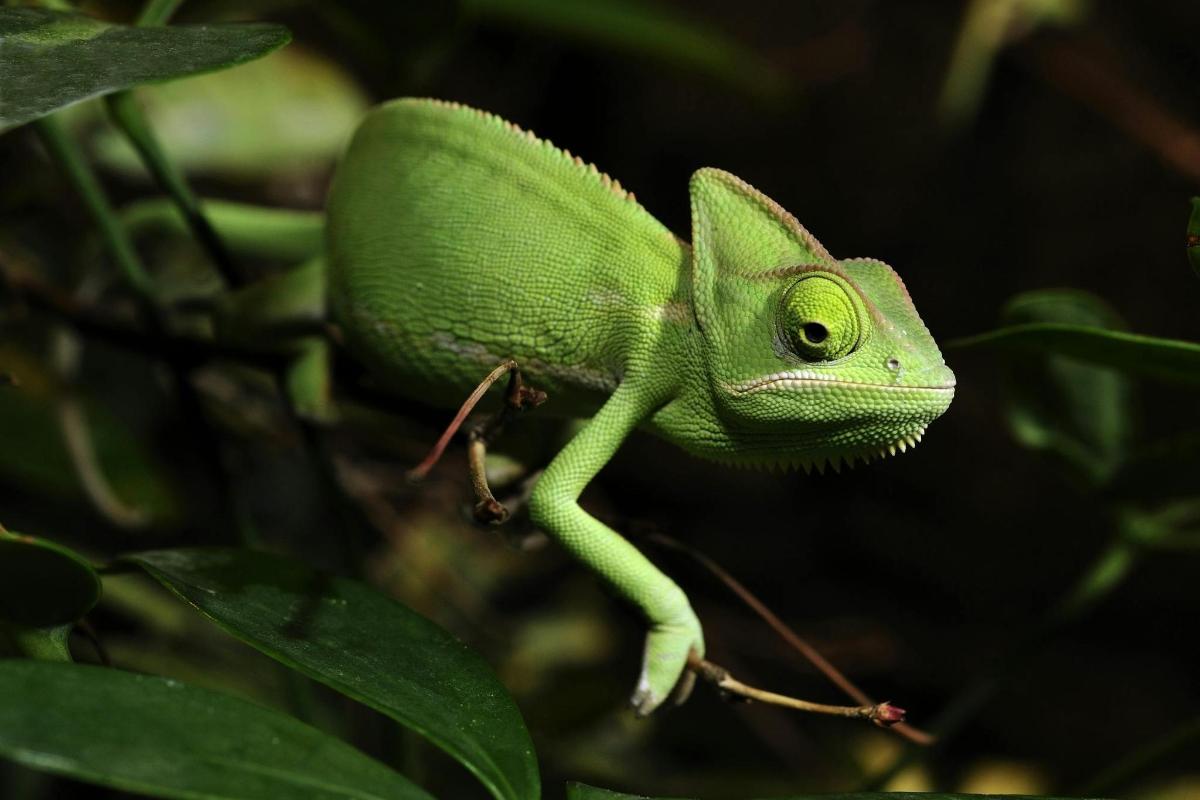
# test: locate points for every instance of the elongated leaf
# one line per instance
(256, 110)
(654, 29)
(1193, 237)
(50, 59)
(1169, 360)
(579, 791)
(163, 738)
(43, 584)
(1079, 412)
(366, 646)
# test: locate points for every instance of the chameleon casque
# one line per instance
(456, 241)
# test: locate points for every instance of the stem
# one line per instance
(157, 12)
(786, 633)
(125, 113)
(70, 158)
(884, 714)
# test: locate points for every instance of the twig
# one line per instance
(1092, 79)
(883, 714)
(518, 397)
(785, 632)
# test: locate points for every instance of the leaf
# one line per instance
(45, 644)
(291, 112)
(1077, 411)
(366, 646)
(580, 791)
(1193, 237)
(164, 738)
(648, 28)
(1170, 360)
(51, 59)
(43, 584)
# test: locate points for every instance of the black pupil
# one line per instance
(815, 332)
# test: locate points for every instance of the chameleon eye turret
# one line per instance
(820, 318)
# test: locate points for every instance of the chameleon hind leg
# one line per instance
(554, 506)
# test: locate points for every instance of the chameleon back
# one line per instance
(457, 240)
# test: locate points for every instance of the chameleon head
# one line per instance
(808, 360)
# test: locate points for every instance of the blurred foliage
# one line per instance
(1021, 583)
(51, 60)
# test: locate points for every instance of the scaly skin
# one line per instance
(456, 240)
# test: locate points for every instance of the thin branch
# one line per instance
(1096, 80)
(125, 113)
(70, 158)
(793, 639)
(420, 471)
(883, 714)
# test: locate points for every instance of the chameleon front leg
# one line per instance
(554, 507)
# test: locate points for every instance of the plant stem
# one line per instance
(125, 113)
(70, 158)
(157, 12)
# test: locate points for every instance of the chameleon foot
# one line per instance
(664, 663)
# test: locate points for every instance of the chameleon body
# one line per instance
(456, 240)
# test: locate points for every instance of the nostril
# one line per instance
(893, 363)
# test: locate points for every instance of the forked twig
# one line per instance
(883, 714)
(785, 632)
(517, 398)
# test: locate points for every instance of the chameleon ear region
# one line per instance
(740, 233)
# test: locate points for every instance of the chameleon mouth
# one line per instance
(807, 379)
(836, 461)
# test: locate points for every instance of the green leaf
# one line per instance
(163, 738)
(290, 113)
(579, 791)
(51, 59)
(1170, 360)
(1077, 411)
(645, 28)
(1193, 237)
(43, 584)
(366, 646)
(45, 644)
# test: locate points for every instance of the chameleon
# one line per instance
(455, 241)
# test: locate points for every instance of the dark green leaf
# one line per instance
(579, 791)
(1076, 411)
(1193, 237)
(163, 738)
(43, 584)
(51, 59)
(1169, 360)
(366, 646)
(45, 644)
(648, 28)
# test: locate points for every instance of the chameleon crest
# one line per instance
(457, 241)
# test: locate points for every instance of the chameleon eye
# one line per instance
(818, 319)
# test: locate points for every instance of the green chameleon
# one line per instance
(457, 241)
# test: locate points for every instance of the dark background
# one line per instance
(919, 576)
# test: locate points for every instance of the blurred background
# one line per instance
(1022, 582)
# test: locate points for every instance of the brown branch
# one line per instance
(1094, 77)
(793, 639)
(882, 714)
